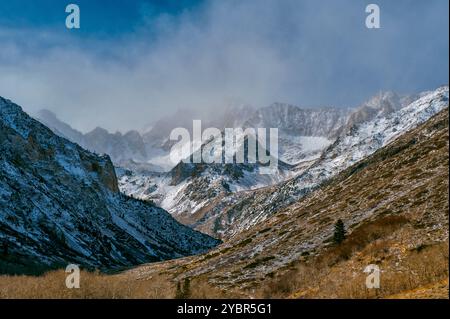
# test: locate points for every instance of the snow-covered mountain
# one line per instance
(242, 210)
(60, 203)
(394, 204)
(186, 189)
(381, 104)
(189, 188)
(200, 195)
(150, 148)
(299, 121)
(303, 133)
(124, 149)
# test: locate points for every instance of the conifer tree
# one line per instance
(183, 292)
(339, 232)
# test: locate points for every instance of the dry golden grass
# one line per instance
(202, 289)
(93, 285)
(338, 272)
(437, 290)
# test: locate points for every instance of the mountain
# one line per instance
(121, 147)
(298, 121)
(186, 190)
(124, 149)
(49, 119)
(223, 200)
(229, 116)
(382, 104)
(61, 204)
(189, 189)
(241, 211)
(303, 133)
(150, 149)
(394, 204)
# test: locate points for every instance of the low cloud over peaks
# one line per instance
(299, 52)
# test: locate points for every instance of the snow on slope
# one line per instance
(299, 149)
(367, 137)
(60, 203)
(191, 192)
(239, 212)
(303, 133)
(188, 188)
(215, 181)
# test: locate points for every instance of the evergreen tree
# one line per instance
(179, 292)
(5, 248)
(187, 288)
(339, 232)
(183, 292)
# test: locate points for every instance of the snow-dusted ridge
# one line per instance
(240, 212)
(60, 203)
(224, 200)
(367, 137)
(188, 188)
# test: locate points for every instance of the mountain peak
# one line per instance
(98, 131)
(61, 204)
(46, 114)
(5, 103)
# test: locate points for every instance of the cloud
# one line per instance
(259, 51)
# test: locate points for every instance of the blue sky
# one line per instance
(135, 61)
(100, 18)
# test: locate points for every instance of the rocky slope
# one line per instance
(242, 210)
(60, 203)
(189, 189)
(124, 149)
(224, 200)
(394, 204)
(382, 104)
(303, 133)
(314, 145)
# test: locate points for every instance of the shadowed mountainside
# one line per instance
(61, 204)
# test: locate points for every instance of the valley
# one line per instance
(385, 176)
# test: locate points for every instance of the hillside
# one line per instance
(394, 205)
(240, 211)
(60, 203)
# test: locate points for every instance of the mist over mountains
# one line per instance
(154, 62)
(198, 149)
(314, 145)
(151, 145)
(61, 203)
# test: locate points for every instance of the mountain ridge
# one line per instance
(60, 203)
(389, 225)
